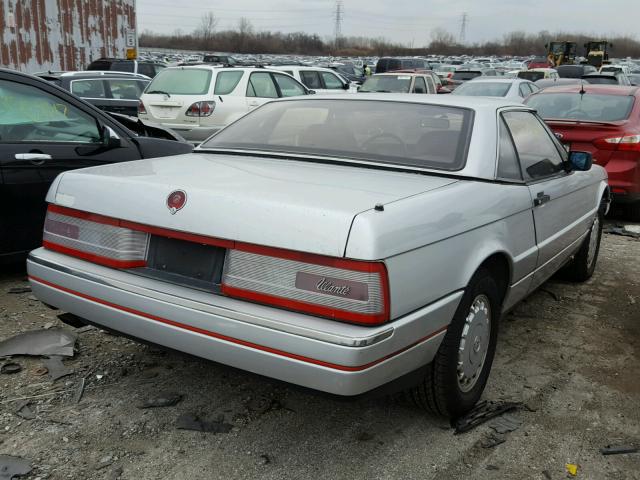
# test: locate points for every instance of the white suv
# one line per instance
(197, 101)
(318, 79)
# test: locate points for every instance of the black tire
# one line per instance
(581, 268)
(440, 390)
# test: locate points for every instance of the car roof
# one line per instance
(444, 100)
(499, 80)
(595, 89)
(540, 70)
(397, 73)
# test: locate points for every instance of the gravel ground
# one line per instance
(569, 353)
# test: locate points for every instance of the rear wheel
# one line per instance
(458, 374)
(583, 264)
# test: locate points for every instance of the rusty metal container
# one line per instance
(37, 35)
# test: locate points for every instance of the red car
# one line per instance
(603, 120)
(539, 62)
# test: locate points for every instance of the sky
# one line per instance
(408, 22)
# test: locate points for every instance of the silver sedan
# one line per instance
(512, 89)
(340, 243)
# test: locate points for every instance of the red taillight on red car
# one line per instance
(201, 109)
(340, 289)
(94, 238)
(141, 108)
(630, 142)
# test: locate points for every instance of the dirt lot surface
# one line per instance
(570, 354)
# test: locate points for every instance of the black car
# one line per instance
(220, 58)
(144, 67)
(575, 71)
(44, 131)
(350, 72)
(389, 64)
(117, 92)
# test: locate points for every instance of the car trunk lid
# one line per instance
(288, 204)
(580, 136)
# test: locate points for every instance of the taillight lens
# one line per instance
(141, 108)
(201, 109)
(94, 238)
(351, 291)
(623, 142)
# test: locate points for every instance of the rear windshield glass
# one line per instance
(483, 89)
(587, 107)
(531, 76)
(466, 75)
(604, 80)
(408, 134)
(387, 83)
(571, 71)
(182, 81)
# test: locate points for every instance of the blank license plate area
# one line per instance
(185, 263)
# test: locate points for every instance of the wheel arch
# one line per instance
(501, 267)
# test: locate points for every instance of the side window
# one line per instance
(538, 154)
(419, 86)
(289, 87)
(331, 81)
(524, 90)
(534, 88)
(508, 166)
(31, 115)
(126, 89)
(146, 69)
(88, 88)
(261, 85)
(431, 85)
(227, 81)
(311, 79)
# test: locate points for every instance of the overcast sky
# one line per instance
(402, 21)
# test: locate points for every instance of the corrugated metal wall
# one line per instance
(62, 34)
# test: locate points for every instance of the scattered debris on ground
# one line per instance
(19, 290)
(56, 368)
(12, 467)
(25, 411)
(10, 368)
(40, 343)
(618, 450)
(505, 424)
(188, 421)
(621, 230)
(572, 469)
(163, 400)
(483, 412)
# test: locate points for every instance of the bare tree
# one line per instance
(245, 31)
(207, 29)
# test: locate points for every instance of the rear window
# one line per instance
(466, 75)
(571, 71)
(608, 80)
(88, 88)
(483, 89)
(587, 107)
(397, 133)
(226, 82)
(126, 89)
(531, 76)
(123, 66)
(387, 84)
(183, 81)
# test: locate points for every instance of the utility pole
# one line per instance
(463, 27)
(339, 15)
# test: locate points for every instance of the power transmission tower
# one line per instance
(464, 21)
(339, 15)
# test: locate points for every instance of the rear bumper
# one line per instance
(191, 133)
(316, 353)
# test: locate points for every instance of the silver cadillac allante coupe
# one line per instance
(345, 244)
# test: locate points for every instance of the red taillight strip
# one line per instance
(356, 265)
(305, 307)
(106, 261)
(255, 346)
(189, 237)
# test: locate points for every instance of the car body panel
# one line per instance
(431, 230)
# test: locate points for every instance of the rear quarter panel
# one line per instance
(433, 243)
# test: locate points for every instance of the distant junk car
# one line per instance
(335, 242)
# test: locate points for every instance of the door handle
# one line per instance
(253, 104)
(35, 158)
(541, 199)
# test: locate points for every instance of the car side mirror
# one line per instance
(311, 92)
(345, 86)
(109, 139)
(580, 161)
